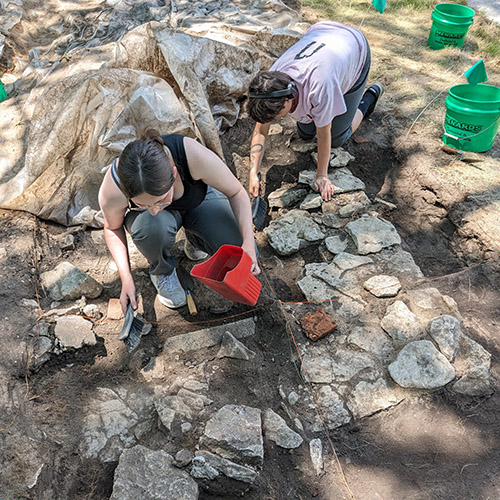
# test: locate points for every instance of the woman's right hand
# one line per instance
(253, 183)
(128, 295)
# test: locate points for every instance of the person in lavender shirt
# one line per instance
(319, 81)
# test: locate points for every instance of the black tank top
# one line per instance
(194, 191)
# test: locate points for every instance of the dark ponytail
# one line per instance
(145, 166)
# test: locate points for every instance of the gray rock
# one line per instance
(311, 201)
(293, 398)
(447, 331)
(186, 427)
(151, 475)
(340, 158)
(233, 348)
(234, 432)
(67, 282)
(172, 409)
(208, 337)
(286, 196)
(41, 346)
(401, 324)
(472, 364)
(276, 430)
(183, 457)
(383, 285)
(427, 303)
(230, 469)
(154, 370)
(471, 356)
(29, 303)
(330, 220)
(293, 231)
(333, 409)
(75, 308)
(345, 261)
(473, 384)
(336, 244)
(67, 242)
(112, 421)
(397, 261)
(419, 365)
(372, 339)
(317, 366)
(341, 178)
(351, 309)
(298, 424)
(74, 332)
(371, 234)
(370, 397)
(200, 469)
(316, 452)
(347, 363)
(195, 401)
(352, 208)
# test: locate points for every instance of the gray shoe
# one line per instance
(193, 253)
(170, 291)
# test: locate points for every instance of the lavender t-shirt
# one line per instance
(325, 64)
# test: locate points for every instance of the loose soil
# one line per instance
(437, 446)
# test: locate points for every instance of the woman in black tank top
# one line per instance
(158, 185)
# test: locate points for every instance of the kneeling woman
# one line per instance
(159, 184)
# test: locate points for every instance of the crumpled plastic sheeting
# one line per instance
(88, 107)
(10, 15)
(78, 126)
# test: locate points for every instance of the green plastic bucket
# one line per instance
(472, 117)
(450, 23)
(3, 94)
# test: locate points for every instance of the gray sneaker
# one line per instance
(193, 253)
(170, 291)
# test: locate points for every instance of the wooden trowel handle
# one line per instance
(450, 150)
(190, 303)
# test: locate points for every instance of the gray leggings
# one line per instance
(208, 226)
(341, 124)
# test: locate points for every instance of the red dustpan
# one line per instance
(228, 273)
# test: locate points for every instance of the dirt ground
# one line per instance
(438, 446)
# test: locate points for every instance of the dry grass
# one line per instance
(413, 73)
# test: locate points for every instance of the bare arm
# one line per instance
(322, 183)
(256, 154)
(113, 205)
(207, 166)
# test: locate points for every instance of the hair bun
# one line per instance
(152, 135)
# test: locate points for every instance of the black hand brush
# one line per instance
(133, 329)
(259, 208)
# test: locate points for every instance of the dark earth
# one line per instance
(438, 446)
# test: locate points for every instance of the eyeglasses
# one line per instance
(160, 206)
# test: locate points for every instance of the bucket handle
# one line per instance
(468, 137)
